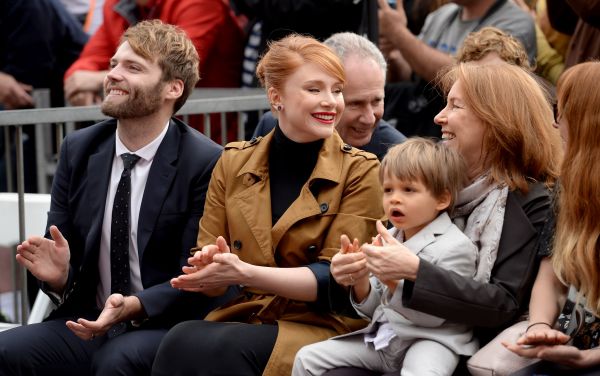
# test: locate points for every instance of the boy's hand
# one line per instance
(377, 241)
(349, 264)
(359, 280)
(346, 246)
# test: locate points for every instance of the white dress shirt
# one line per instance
(139, 176)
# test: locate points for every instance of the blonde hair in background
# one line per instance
(576, 254)
(438, 168)
(171, 48)
(519, 144)
(286, 55)
(488, 40)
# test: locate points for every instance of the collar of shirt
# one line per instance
(147, 152)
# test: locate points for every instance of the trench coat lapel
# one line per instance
(307, 204)
(254, 201)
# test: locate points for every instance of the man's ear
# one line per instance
(443, 201)
(174, 89)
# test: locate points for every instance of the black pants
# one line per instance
(215, 348)
(50, 348)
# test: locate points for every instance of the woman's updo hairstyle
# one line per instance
(286, 55)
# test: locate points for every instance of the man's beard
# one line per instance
(140, 102)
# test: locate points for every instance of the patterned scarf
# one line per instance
(479, 213)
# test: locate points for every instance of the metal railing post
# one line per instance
(207, 125)
(8, 160)
(21, 206)
(41, 98)
(224, 129)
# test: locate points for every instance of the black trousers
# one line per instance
(215, 348)
(50, 348)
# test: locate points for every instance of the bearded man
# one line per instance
(126, 201)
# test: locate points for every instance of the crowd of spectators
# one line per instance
(418, 40)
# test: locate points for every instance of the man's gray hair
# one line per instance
(351, 44)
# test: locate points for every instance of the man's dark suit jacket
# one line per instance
(172, 205)
(384, 135)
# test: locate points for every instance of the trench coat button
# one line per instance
(347, 147)
(324, 207)
(237, 244)
(248, 180)
(311, 249)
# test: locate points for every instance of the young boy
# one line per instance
(421, 180)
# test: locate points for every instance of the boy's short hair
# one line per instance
(171, 47)
(437, 167)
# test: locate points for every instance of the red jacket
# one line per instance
(209, 23)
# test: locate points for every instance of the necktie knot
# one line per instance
(129, 160)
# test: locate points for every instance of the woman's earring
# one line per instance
(279, 107)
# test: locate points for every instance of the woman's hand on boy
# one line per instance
(390, 262)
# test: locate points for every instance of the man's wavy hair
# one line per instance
(171, 48)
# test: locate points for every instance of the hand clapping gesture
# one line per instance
(349, 265)
(115, 311)
(385, 258)
(47, 260)
(390, 261)
(212, 270)
(351, 271)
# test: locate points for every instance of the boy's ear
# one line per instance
(443, 201)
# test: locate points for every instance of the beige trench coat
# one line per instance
(342, 195)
